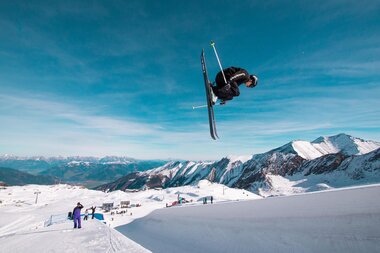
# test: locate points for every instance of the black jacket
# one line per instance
(235, 76)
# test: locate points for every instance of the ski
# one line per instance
(210, 108)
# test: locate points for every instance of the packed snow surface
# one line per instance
(344, 220)
(22, 222)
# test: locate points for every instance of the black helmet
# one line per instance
(254, 79)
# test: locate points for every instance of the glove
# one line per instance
(226, 88)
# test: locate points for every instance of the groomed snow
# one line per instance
(93, 237)
(22, 221)
(346, 220)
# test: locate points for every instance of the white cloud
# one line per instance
(34, 125)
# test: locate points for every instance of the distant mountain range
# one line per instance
(13, 177)
(89, 171)
(298, 166)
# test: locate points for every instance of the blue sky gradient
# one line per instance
(121, 77)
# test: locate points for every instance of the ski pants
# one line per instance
(222, 90)
(77, 222)
(219, 80)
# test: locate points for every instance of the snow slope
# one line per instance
(345, 220)
(94, 237)
(22, 221)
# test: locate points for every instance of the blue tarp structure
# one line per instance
(98, 216)
(59, 218)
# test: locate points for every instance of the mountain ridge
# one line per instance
(326, 145)
(85, 170)
(14, 177)
(290, 161)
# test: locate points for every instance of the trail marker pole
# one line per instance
(37, 192)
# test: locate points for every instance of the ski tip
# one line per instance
(215, 138)
(212, 43)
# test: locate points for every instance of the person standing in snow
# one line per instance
(93, 212)
(85, 215)
(211, 199)
(76, 215)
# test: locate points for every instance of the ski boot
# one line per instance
(214, 98)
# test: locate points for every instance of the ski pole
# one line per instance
(199, 106)
(217, 57)
(202, 106)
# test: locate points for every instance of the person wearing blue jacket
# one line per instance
(76, 215)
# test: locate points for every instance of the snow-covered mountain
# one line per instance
(298, 166)
(340, 143)
(37, 163)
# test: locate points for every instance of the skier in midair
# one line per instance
(229, 88)
(76, 215)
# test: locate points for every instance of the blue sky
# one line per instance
(121, 77)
